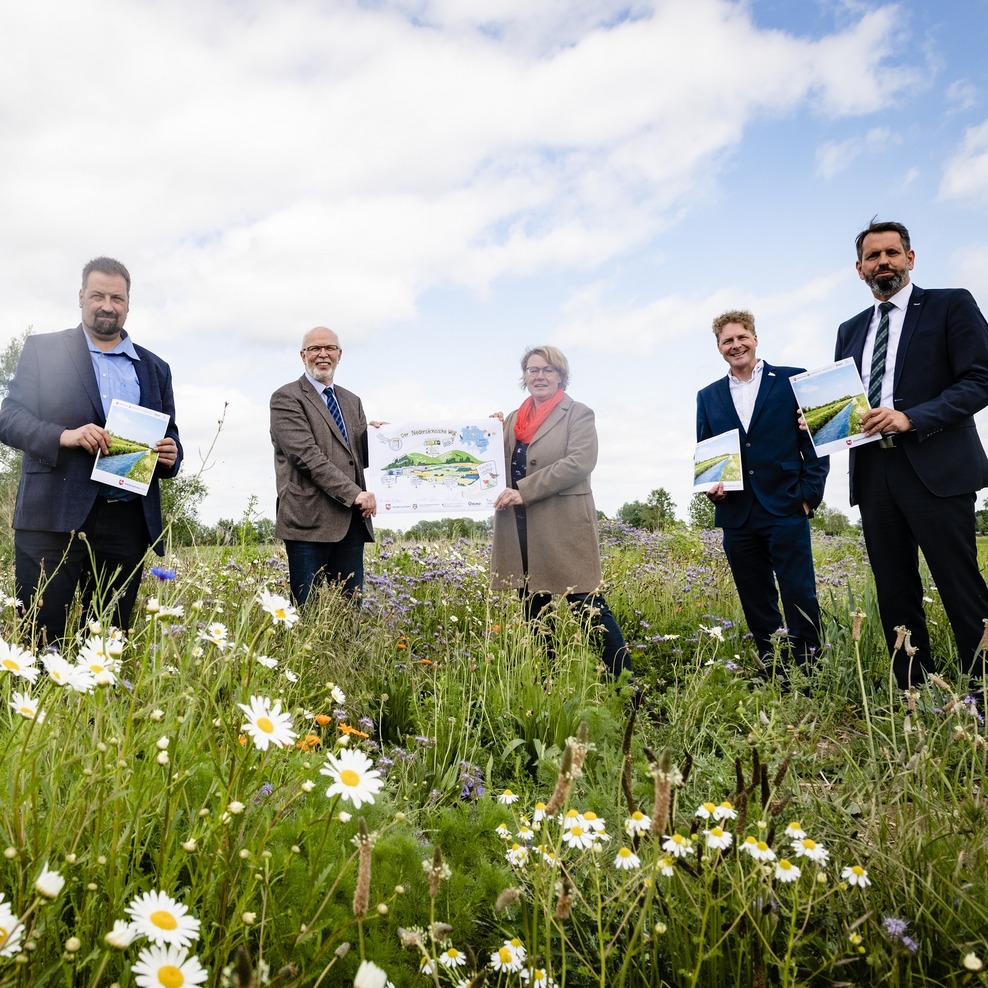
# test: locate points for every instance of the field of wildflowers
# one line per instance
(418, 794)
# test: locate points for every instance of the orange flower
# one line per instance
(426, 662)
(401, 645)
(242, 739)
(308, 742)
(347, 729)
(323, 719)
(495, 628)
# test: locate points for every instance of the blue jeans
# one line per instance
(328, 562)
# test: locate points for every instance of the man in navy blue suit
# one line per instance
(766, 525)
(917, 486)
(55, 413)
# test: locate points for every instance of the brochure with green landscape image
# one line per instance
(134, 432)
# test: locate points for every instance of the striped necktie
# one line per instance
(878, 356)
(334, 409)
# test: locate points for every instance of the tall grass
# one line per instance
(154, 784)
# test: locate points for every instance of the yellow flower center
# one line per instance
(350, 778)
(10, 664)
(265, 725)
(25, 711)
(809, 844)
(762, 846)
(709, 807)
(504, 954)
(164, 920)
(576, 831)
(280, 613)
(784, 864)
(857, 870)
(170, 976)
(3, 936)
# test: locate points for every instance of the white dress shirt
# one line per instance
(745, 393)
(896, 318)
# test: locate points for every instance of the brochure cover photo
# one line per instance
(833, 401)
(717, 460)
(130, 463)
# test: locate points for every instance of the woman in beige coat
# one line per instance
(545, 526)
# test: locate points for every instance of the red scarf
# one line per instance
(530, 418)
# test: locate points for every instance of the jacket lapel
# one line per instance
(913, 309)
(555, 417)
(79, 351)
(320, 402)
(765, 387)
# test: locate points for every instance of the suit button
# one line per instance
(747, 445)
(751, 473)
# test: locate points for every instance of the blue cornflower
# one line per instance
(163, 574)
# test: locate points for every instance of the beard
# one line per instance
(887, 283)
(106, 327)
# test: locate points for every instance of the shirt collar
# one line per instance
(756, 375)
(318, 385)
(900, 299)
(125, 346)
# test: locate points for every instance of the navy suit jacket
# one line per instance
(940, 381)
(54, 388)
(779, 465)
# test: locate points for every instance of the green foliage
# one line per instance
(181, 497)
(831, 521)
(657, 513)
(701, 512)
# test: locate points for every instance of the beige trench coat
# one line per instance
(563, 552)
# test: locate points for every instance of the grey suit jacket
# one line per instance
(318, 475)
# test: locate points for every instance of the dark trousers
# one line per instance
(598, 617)
(48, 566)
(899, 515)
(765, 549)
(329, 562)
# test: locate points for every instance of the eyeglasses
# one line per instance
(548, 370)
(312, 351)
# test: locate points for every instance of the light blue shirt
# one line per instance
(115, 373)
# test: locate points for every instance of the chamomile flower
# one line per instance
(577, 836)
(856, 875)
(503, 831)
(452, 958)
(26, 706)
(167, 967)
(626, 859)
(706, 810)
(369, 975)
(678, 846)
(62, 672)
(718, 839)
(725, 811)
(510, 956)
(94, 658)
(281, 610)
(354, 776)
(593, 822)
(809, 848)
(122, 935)
(336, 693)
(795, 830)
(49, 883)
(508, 797)
(665, 867)
(216, 634)
(18, 662)
(267, 724)
(163, 920)
(758, 849)
(516, 855)
(267, 661)
(637, 823)
(536, 976)
(11, 930)
(525, 833)
(539, 815)
(786, 871)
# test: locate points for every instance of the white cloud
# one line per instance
(966, 175)
(834, 157)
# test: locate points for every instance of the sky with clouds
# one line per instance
(444, 182)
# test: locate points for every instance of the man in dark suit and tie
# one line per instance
(55, 413)
(320, 451)
(923, 357)
(766, 526)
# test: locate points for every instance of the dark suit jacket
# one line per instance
(318, 475)
(941, 380)
(54, 388)
(779, 465)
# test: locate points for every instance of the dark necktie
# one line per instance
(878, 356)
(334, 409)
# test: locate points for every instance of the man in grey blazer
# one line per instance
(55, 413)
(324, 511)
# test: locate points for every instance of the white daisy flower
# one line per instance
(369, 975)
(290, 676)
(167, 967)
(808, 848)
(216, 634)
(508, 797)
(354, 776)
(637, 823)
(725, 811)
(666, 867)
(18, 662)
(121, 936)
(11, 930)
(281, 609)
(452, 958)
(856, 875)
(795, 831)
(62, 672)
(706, 810)
(516, 855)
(337, 694)
(786, 871)
(758, 849)
(267, 661)
(678, 846)
(626, 859)
(163, 920)
(717, 839)
(26, 706)
(510, 956)
(577, 836)
(266, 724)
(49, 883)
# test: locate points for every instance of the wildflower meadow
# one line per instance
(421, 793)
